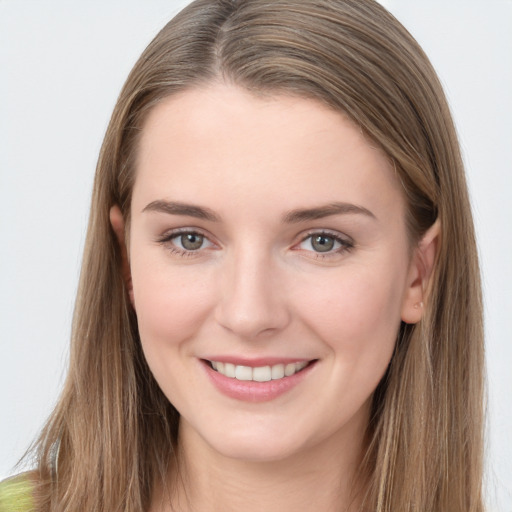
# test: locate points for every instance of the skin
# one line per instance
(257, 287)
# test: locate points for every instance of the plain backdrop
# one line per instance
(62, 64)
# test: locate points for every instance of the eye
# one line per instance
(322, 243)
(185, 242)
(325, 244)
(189, 241)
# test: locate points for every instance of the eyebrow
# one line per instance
(320, 212)
(291, 217)
(177, 208)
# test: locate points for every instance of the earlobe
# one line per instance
(118, 226)
(420, 273)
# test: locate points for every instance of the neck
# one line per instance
(323, 477)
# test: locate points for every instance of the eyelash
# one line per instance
(345, 244)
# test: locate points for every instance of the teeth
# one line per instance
(259, 373)
(243, 373)
(262, 374)
(289, 370)
(229, 370)
(277, 371)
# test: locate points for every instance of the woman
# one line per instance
(279, 304)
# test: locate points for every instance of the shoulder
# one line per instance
(16, 494)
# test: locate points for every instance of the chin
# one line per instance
(263, 444)
(255, 450)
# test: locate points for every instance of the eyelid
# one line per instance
(171, 233)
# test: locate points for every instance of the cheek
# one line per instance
(357, 317)
(357, 313)
(170, 303)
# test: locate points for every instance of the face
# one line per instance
(270, 268)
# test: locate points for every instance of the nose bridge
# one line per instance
(252, 299)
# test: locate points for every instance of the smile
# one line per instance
(256, 383)
(258, 373)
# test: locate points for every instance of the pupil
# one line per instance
(322, 243)
(191, 241)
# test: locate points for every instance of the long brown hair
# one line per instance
(113, 433)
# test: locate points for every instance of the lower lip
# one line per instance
(251, 391)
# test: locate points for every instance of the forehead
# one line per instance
(223, 141)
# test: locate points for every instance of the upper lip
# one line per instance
(256, 362)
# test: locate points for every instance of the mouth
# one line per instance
(259, 373)
(260, 383)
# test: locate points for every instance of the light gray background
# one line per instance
(62, 64)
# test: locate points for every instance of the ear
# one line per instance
(420, 272)
(118, 225)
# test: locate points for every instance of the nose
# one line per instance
(253, 301)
